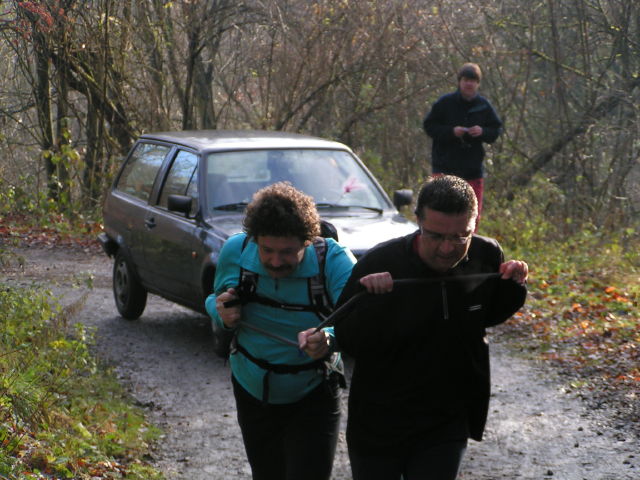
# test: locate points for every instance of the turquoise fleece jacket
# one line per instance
(283, 388)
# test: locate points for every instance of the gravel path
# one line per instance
(537, 429)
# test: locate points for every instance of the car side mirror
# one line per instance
(402, 197)
(179, 203)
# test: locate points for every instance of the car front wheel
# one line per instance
(130, 295)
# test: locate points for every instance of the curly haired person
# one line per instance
(287, 393)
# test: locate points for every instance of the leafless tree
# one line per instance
(90, 76)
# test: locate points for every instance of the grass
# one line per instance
(62, 415)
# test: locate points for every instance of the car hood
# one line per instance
(358, 233)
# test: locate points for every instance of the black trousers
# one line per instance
(423, 462)
(292, 441)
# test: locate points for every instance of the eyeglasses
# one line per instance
(440, 238)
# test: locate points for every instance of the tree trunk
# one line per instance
(42, 94)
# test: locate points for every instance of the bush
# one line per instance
(61, 414)
(584, 288)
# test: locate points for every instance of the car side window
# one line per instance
(140, 171)
(182, 179)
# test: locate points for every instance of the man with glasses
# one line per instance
(420, 385)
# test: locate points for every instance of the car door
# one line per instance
(171, 236)
(127, 205)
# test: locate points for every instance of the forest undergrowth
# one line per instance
(582, 314)
(63, 414)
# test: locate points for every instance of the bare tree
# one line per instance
(563, 75)
(576, 105)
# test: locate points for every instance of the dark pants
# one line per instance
(292, 441)
(423, 462)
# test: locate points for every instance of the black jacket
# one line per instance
(460, 156)
(421, 358)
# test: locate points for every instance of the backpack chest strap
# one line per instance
(320, 303)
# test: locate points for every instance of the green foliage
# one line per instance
(61, 414)
(20, 199)
(584, 285)
(62, 195)
(523, 222)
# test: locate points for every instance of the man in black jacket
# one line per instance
(458, 124)
(420, 385)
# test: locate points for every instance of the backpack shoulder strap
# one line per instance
(320, 302)
(317, 284)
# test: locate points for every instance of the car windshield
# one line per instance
(332, 177)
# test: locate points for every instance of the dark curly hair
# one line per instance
(447, 194)
(280, 210)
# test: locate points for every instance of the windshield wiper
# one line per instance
(335, 205)
(231, 206)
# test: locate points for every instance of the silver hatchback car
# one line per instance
(179, 195)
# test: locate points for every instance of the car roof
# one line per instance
(212, 140)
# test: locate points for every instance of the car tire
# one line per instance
(128, 292)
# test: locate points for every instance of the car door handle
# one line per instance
(150, 222)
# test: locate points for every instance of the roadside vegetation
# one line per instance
(583, 310)
(62, 414)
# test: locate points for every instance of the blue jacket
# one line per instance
(464, 156)
(283, 388)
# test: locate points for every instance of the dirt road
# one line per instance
(537, 428)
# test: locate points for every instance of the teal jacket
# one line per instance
(283, 388)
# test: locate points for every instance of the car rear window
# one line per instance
(140, 171)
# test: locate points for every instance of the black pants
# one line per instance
(423, 462)
(292, 441)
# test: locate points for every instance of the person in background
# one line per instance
(287, 398)
(420, 384)
(458, 124)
